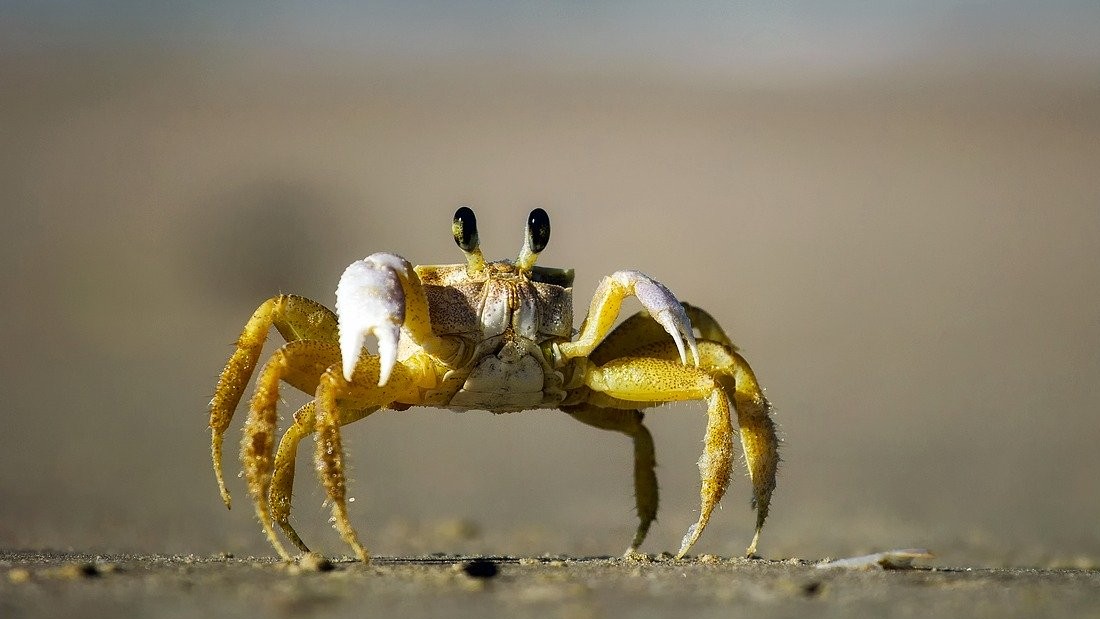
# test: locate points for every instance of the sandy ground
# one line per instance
(155, 586)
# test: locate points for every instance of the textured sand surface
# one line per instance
(68, 584)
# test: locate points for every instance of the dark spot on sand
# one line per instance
(480, 568)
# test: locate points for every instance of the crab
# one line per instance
(494, 336)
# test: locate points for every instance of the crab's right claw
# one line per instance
(371, 301)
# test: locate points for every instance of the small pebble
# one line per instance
(314, 562)
(480, 568)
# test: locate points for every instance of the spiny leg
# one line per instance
(299, 363)
(630, 423)
(759, 439)
(295, 318)
(644, 379)
(335, 395)
(282, 481)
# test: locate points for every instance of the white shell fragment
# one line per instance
(889, 560)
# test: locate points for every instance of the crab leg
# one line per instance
(336, 396)
(295, 318)
(759, 440)
(629, 422)
(282, 480)
(645, 379)
(298, 363)
(658, 300)
(656, 377)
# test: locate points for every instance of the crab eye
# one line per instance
(538, 230)
(464, 229)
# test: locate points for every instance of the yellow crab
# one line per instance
(495, 336)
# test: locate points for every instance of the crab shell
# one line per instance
(506, 322)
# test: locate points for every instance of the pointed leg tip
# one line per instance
(285, 556)
(685, 546)
(293, 536)
(226, 498)
(693, 533)
(750, 553)
(271, 537)
(361, 554)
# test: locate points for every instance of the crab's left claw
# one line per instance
(658, 301)
(665, 308)
(370, 300)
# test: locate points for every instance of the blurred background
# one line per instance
(894, 208)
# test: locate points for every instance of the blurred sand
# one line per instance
(909, 262)
(570, 588)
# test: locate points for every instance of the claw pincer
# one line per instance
(371, 301)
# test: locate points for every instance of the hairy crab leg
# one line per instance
(630, 423)
(282, 478)
(282, 486)
(759, 438)
(282, 481)
(298, 363)
(336, 396)
(658, 300)
(650, 380)
(295, 318)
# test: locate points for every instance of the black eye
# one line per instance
(538, 229)
(464, 229)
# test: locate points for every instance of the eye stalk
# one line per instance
(464, 229)
(535, 239)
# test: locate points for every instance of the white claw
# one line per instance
(371, 301)
(665, 308)
(674, 324)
